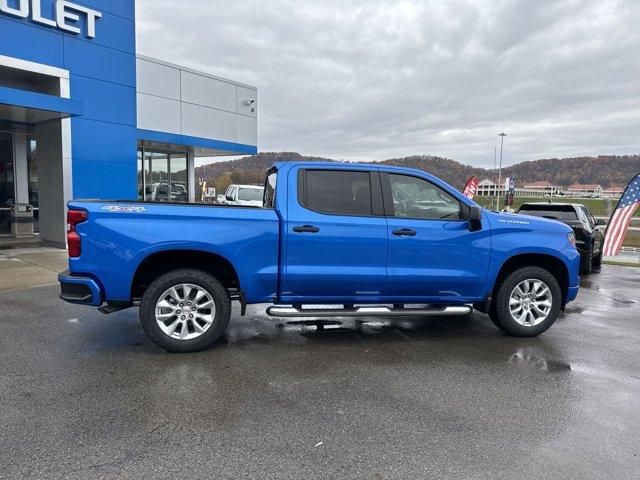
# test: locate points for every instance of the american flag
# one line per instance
(621, 218)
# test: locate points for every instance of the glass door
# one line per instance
(156, 176)
(32, 178)
(162, 176)
(7, 181)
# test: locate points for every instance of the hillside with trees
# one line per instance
(606, 170)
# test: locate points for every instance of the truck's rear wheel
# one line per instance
(185, 310)
(527, 302)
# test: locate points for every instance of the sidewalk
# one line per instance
(31, 267)
(625, 258)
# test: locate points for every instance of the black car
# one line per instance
(588, 231)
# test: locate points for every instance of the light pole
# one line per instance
(495, 162)
(502, 135)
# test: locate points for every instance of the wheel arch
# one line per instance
(552, 264)
(164, 261)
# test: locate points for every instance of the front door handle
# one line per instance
(405, 232)
(306, 229)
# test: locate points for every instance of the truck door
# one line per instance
(336, 235)
(432, 254)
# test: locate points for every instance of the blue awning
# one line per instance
(22, 106)
(203, 147)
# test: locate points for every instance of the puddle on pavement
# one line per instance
(621, 301)
(589, 284)
(532, 358)
(573, 309)
(316, 327)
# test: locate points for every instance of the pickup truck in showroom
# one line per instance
(330, 240)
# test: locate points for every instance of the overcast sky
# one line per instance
(369, 80)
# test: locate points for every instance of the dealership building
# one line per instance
(82, 115)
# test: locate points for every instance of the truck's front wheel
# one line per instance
(527, 302)
(185, 310)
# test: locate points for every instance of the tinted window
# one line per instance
(589, 216)
(337, 192)
(416, 198)
(250, 194)
(554, 212)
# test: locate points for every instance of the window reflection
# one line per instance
(7, 188)
(140, 179)
(179, 178)
(162, 176)
(32, 175)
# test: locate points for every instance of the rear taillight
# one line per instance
(74, 217)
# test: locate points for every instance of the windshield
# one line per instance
(251, 194)
(554, 212)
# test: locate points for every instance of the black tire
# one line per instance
(597, 260)
(502, 315)
(586, 261)
(203, 280)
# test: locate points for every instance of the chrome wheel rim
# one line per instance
(530, 302)
(185, 311)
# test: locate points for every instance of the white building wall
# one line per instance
(177, 100)
(159, 114)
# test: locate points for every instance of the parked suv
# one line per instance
(588, 231)
(248, 195)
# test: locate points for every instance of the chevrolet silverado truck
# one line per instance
(330, 240)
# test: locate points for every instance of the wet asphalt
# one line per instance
(84, 395)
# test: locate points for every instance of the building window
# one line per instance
(32, 176)
(162, 176)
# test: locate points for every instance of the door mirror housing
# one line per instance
(473, 214)
(229, 198)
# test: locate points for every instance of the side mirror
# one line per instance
(474, 215)
(229, 198)
(601, 222)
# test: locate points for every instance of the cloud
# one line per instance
(373, 79)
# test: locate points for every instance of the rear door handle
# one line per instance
(306, 229)
(405, 232)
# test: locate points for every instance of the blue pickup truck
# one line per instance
(329, 240)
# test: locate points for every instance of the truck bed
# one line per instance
(127, 232)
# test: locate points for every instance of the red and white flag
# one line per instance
(619, 221)
(471, 188)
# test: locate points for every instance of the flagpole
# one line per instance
(502, 135)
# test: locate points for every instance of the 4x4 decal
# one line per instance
(123, 209)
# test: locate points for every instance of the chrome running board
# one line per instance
(369, 311)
